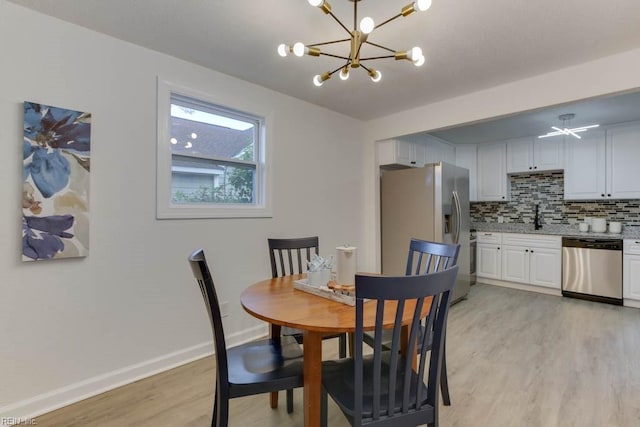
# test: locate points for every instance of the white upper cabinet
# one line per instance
(623, 154)
(531, 155)
(396, 152)
(439, 151)
(467, 157)
(492, 172)
(584, 170)
(603, 165)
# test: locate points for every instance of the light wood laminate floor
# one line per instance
(515, 358)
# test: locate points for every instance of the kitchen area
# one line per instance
(557, 215)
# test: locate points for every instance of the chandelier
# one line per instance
(565, 131)
(357, 37)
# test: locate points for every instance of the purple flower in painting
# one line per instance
(42, 236)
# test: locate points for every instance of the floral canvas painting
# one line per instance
(56, 154)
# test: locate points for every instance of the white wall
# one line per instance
(70, 328)
(612, 74)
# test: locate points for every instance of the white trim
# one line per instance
(72, 393)
(520, 286)
(167, 210)
(631, 303)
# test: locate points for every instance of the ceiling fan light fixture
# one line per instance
(566, 131)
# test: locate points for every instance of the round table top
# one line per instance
(277, 301)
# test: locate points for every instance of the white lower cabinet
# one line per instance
(545, 267)
(515, 264)
(488, 260)
(523, 258)
(631, 270)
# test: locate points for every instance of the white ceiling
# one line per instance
(604, 111)
(469, 44)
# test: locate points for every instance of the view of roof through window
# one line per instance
(196, 132)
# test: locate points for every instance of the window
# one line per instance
(211, 158)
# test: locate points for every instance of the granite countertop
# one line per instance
(630, 232)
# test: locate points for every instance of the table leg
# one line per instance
(312, 347)
(273, 396)
(404, 347)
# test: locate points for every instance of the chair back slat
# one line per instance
(290, 256)
(429, 257)
(401, 393)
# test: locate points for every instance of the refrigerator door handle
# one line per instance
(458, 215)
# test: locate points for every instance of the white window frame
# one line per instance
(165, 208)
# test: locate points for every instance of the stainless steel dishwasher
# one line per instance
(592, 269)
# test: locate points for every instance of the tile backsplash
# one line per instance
(547, 190)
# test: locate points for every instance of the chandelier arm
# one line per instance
(377, 57)
(336, 70)
(367, 69)
(387, 21)
(331, 42)
(380, 46)
(334, 56)
(340, 22)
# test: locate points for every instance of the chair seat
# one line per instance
(265, 365)
(338, 381)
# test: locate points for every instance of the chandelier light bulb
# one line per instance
(420, 61)
(298, 49)
(282, 50)
(376, 75)
(367, 25)
(415, 53)
(317, 80)
(421, 5)
(344, 73)
(316, 3)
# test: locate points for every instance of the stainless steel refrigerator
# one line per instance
(429, 203)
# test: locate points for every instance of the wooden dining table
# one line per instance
(277, 301)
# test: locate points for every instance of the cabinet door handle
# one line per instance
(531, 250)
(526, 250)
(608, 195)
(413, 163)
(602, 195)
(535, 167)
(498, 247)
(530, 168)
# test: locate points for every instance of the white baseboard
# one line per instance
(520, 286)
(72, 393)
(631, 303)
